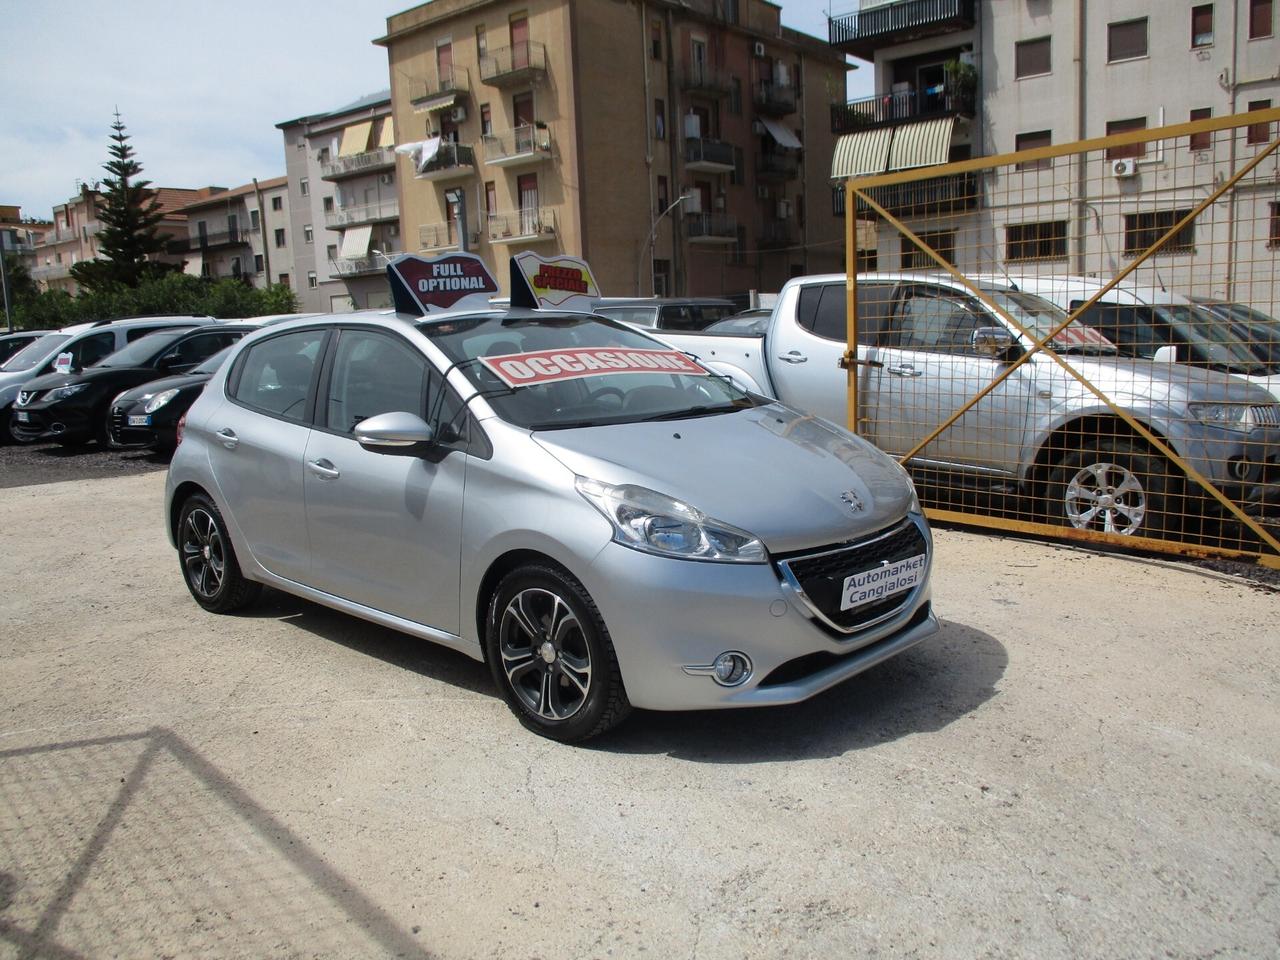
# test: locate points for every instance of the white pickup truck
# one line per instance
(928, 346)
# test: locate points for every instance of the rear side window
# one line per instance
(680, 317)
(1133, 329)
(275, 375)
(822, 312)
(709, 313)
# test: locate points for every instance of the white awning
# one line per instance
(195, 264)
(861, 154)
(923, 144)
(782, 134)
(355, 138)
(355, 241)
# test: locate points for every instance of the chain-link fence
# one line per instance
(1080, 338)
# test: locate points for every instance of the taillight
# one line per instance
(177, 433)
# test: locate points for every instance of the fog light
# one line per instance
(1241, 468)
(731, 669)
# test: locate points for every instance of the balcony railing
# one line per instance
(507, 66)
(711, 228)
(60, 235)
(777, 166)
(700, 78)
(442, 236)
(51, 271)
(210, 241)
(934, 196)
(371, 161)
(861, 33)
(356, 266)
(452, 160)
(774, 99)
(529, 143)
(903, 106)
(777, 233)
(522, 226)
(435, 93)
(712, 156)
(363, 213)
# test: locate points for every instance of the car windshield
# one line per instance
(142, 351)
(35, 351)
(1039, 317)
(213, 363)
(1211, 339)
(557, 371)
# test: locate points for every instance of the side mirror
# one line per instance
(398, 434)
(168, 362)
(1166, 354)
(991, 341)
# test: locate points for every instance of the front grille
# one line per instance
(1266, 414)
(116, 424)
(820, 575)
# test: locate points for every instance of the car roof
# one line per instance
(24, 333)
(1125, 291)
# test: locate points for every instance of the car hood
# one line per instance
(770, 470)
(181, 382)
(1164, 381)
(104, 375)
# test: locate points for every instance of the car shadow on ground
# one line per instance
(930, 686)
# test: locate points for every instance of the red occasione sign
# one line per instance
(548, 366)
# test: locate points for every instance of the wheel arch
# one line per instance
(499, 568)
(183, 492)
(1092, 426)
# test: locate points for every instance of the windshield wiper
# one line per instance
(691, 412)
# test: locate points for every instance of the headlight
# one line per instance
(61, 393)
(656, 523)
(1232, 416)
(159, 400)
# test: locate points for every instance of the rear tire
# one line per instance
(1115, 485)
(551, 656)
(208, 561)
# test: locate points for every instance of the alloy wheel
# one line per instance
(545, 655)
(203, 556)
(1107, 497)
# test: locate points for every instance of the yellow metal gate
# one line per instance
(1079, 339)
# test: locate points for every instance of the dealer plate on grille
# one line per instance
(880, 582)
(23, 417)
(140, 420)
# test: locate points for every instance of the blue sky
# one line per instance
(199, 86)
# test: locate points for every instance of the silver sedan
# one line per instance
(596, 516)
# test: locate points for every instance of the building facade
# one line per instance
(245, 233)
(344, 208)
(560, 126)
(19, 235)
(974, 77)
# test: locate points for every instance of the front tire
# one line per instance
(209, 565)
(551, 656)
(1113, 485)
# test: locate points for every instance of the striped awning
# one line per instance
(861, 154)
(385, 133)
(923, 144)
(355, 138)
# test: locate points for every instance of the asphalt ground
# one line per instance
(1084, 763)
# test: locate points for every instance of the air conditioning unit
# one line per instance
(784, 209)
(757, 49)
(386, 179)
(1125, 168)
(762, 191)
(458, 114)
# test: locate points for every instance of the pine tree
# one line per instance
(130, 215)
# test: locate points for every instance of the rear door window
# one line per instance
(274, 376)
(86, 351)
(821, 311)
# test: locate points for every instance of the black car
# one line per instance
(667, 313)
(71, 408)
(11, 343)
(147, 416)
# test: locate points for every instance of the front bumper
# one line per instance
(124, 433)
(37, 422)
(665, 615)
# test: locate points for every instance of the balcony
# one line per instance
(777, 166)
(774, 99)
(453, 161)
(211, 241)
(513, 66)
(885, 24)
(434, 237)
(777, 234)
(931, 197)
(51, 271)
(527, 144)
(362, 213)
(707, 156)
(885, 109)
(357, 266)
(711, 228)
(522, 226)
(700, 78)
(427, 94)
(371, 161)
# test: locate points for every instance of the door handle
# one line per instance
(324, 469)
(228, 438)
(795, 356)
(906, 370)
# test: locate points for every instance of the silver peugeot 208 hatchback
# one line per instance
(596, 516)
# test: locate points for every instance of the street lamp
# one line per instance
(458, 197)
(653, 231)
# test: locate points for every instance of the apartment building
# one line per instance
(19, 235)
(960, 78)
(344, 209)
(243, 233)
(679, 147)
(74, 235)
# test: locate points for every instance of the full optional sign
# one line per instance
(549, 366)
(441, 283)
